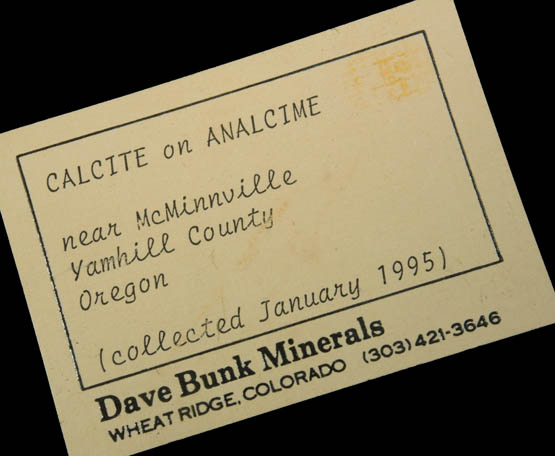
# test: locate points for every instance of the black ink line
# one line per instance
(66, 329)
(291, 325)
(462, 148)
(423, 32)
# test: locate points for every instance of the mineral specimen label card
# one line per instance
(277, 228)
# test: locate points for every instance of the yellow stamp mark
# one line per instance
(397, 75)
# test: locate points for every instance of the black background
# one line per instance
(57, 66)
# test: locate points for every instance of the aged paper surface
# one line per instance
(340, 211)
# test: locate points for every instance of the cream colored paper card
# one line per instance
(277, 228)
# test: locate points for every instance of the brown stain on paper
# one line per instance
(397, 75)
(355, 77)
(392, 76)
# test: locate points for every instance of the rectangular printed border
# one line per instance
(169, 111)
